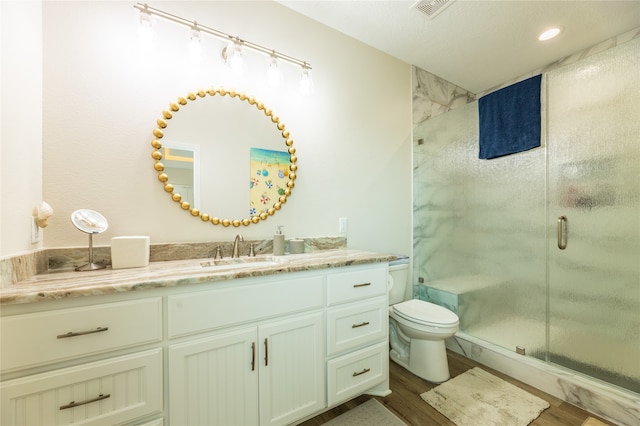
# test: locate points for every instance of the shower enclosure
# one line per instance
(539, 252)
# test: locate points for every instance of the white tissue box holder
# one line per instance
(129, 252)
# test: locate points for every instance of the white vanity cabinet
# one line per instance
(262, 350)
(268, 372)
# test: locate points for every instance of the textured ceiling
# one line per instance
(476, 44)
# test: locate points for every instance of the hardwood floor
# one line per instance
(405, 401)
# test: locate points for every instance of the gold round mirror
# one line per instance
(270, 172)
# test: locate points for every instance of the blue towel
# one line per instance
(510, 119)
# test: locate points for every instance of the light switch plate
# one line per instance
(342, 225)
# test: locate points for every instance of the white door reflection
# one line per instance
(182, 164)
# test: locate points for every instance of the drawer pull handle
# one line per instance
(82, 333)
(361, 285)
(362, 324)
(88, 401)
(366, 370)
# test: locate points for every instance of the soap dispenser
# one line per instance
(278, 242)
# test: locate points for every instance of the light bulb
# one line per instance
(306, 82)
(232, 55)
(274, 75)
(195, 46)
(145, 32)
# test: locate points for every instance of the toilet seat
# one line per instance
(426, 313)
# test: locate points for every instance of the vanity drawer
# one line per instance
(356, 285)
(208, 310)
(352, 374)
(356, 324)
(106, 392)
(39, 338)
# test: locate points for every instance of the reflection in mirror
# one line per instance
(269, 176)
(182, 163)
(221, 128)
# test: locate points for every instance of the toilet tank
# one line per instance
(398, 279)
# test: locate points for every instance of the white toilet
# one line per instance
(417, 329)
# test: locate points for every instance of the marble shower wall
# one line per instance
(433, 96)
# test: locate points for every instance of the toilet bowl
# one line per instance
(417, 329)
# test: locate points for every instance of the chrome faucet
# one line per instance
(236, 245)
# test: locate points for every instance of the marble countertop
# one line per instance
(67, 284)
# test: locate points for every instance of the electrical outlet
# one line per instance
(342, 225)
(35, 231)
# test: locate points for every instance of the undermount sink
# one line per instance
(243, 262)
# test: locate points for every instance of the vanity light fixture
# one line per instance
(274, 75)
(232, 55)
(549, 34)
(306, 82)
(145, 34)
(195, 45)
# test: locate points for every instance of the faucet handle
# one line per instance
(252, 250)
(218, 253)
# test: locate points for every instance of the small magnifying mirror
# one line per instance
(91, 222)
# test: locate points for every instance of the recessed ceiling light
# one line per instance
(549, 34)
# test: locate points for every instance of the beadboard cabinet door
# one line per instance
(269, 374)
(292, 370)
(214, 380)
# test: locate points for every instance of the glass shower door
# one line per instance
(593, 134)
(479, 233)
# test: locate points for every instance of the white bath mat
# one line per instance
(476, 397)
(367, 414)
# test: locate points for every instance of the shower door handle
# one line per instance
(562, 232)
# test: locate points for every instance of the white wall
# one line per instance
(21, 118)
(101, 98)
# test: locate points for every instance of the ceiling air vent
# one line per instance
(431, 7)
